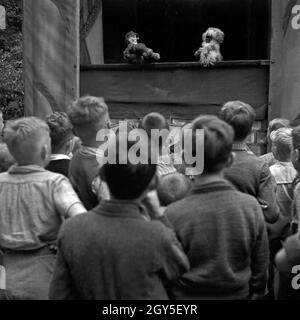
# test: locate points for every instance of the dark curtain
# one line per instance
(174, 27)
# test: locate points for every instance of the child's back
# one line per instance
(223, 234)
(33, 204)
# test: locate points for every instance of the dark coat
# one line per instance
(114, 253)
(251, 175)
(223, 233)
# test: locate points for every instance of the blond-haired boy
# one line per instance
(34, 202)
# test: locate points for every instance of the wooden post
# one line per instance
(285, 56)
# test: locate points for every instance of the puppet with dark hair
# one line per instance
(137, 53)
(209, 53)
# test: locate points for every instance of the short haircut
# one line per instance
(86, 113)
(127, 181)
(6, 159)
(278, 123)
(60, 130)
(283, 141)
(154, 121)
(218, 140)
(173, 187)
(25, 137)
(240, 116)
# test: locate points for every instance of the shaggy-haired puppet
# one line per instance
(137, 53)
(209, 53)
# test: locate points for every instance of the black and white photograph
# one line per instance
(150, 154)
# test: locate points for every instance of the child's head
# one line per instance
(88, 115)
(62, 138)
(28, 141)
(218, 140)
(276, 124)
(173, 187)
(6, 159)
(125, 180)
(282, 144)
(240, 116)
(156, 121)
(296, 149)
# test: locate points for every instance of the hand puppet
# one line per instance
(137, 53)
(209, 53)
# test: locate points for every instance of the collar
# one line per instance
(240, 147)
(122, 209)
(285, 164)
(220, 185)
(15, 169)
(94, 152)
(56, 157)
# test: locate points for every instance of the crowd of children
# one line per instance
(74, 226)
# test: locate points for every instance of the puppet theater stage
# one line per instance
(74, 47)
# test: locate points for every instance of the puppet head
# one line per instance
(132, 38)
(213, 34)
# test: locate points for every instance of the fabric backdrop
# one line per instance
(285, 70)
(51, 55)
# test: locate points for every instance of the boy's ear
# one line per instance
(45, 152)
(230, 160)
(295, 155)
(274, 150)
(70, 145)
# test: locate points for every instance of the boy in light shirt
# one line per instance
(34, 203)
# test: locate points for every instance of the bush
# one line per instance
(11, 62)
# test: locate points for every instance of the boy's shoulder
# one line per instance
(75, 228)
(80, 160)
(198, 201)
(40, 175)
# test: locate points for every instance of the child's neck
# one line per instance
(92, 143)
(285, 160)
(39, 164)
(209, 178)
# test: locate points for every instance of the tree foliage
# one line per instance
(11, 61)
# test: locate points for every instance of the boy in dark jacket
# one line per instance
(88, 116)
(222, 230)
(248, 173)
(117, 252)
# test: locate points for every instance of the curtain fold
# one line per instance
(91, 32)
(285, 55)
(51, 55)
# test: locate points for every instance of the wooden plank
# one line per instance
(177, 65)
(51, 55)
(177, 92)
